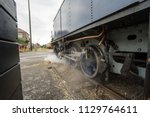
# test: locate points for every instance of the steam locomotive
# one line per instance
(104, 36)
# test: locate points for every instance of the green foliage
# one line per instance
(22, 41)
(43, 46)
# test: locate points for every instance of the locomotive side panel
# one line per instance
(81, 13)
(103, 8)
(66, 17)
(57, 26)
(78, 14)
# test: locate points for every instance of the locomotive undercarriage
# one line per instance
(122, 51)
(121, 48)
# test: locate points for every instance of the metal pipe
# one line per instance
(87, 37)
(147, 79)
(101, 41)
(30, 28)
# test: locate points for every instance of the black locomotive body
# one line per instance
(105, 36)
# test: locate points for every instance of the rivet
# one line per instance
(139, 49)
(140, 40)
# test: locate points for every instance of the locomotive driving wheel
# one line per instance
(89, 62)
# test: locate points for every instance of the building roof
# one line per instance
(21, 31)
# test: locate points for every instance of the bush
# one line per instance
(22, 41)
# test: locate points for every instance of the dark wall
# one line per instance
(10, 76)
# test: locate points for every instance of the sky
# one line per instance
(42, 15)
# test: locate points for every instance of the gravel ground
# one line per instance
(45, 77)
(38, 83)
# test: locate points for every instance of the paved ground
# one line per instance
(45, 77)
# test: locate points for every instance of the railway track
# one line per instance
(121, 88)
(105, 90)
(101, 89)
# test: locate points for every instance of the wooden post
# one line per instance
(30, 29)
